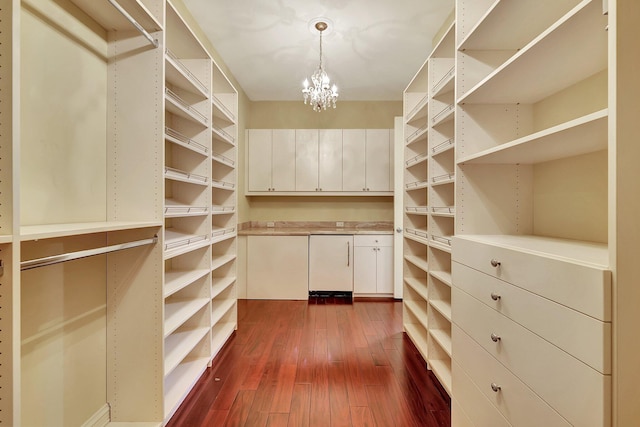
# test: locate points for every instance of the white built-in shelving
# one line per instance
(113, 242)
(429, 205)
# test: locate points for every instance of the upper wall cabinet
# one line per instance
(328, 162)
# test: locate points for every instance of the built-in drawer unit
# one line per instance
(532, 330)
(373, 240)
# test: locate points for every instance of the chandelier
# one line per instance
(319, 95)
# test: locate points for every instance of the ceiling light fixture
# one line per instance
(319, 95)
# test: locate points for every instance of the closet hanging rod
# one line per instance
(135, 23)
(56, 259)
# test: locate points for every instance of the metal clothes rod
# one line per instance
(56, 259)
(135, 23)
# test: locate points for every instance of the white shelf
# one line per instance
(175, 280)
(222, 260)
(444, 308)
(220, 285)
(223, 160)
(419, 312)
(580, 136)
(416, 160)
(179, 75)
(419, 111)
(183, 176)
(176, 137)
(443, 339)
(222, 210)
(220, 234)
(223, 185)
(572, 49)
(447, 178)
(416, 210)
(221, 135)
(442, 370)
(220, 308)
(221, 333)
(6, 239)
(180, 107)
(443, 147)
(521, 20)
(419, 287)
(173, 209)
(444, 211)
(110, 19)
(442, 243)
(178, 384)
(410, 186)
(575, 251)
(418, 262)
(443, 276)
(446, 84)
(415, 233)
(178, 243)
(178, 312)
(418, 336)
(221, 111)
(178, 345)
(46, 231)
(418, 134)
(443, 116)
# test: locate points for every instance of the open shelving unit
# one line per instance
(429, 210)
(117, 252)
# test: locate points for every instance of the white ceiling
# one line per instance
(373, 50)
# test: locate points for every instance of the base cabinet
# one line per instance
(373, 264)
(277, 267)
(331, 263)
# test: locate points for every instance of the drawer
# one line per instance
(578, 392)
(584, 337)
(477, 408)
(581, 286)
(517, 402)
(373, 240)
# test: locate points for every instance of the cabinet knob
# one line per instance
(495, 263)
(398, 230)
(495, 296)
(495, 387)
(495, 338)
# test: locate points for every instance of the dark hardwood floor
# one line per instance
(317, 363)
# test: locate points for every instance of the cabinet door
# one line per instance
(283, 173)
(259, 164)
(384, 270)
(353, 160)
(330, 159)
(378, 158)
(331, 263)
(307, 160)
(364, 270)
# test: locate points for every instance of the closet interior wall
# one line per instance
(88, 163)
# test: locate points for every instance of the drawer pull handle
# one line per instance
(495, 296)
(495, 263)
(495, 338)
(495, 387)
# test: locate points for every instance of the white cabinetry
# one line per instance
(331, 263)
(373, 264)
(545, 317)
(331, 162)
(271, 163)
(278, 267)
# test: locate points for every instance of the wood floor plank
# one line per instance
(278, 420)
(284, 388)
(320, 405)
(300, 406)
(239, 410)
(361, 417)
(339, 395)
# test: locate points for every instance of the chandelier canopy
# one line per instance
(320, 94)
